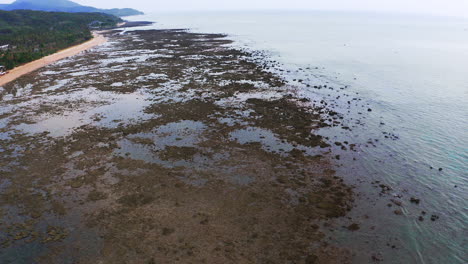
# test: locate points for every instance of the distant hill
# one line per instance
(65, 6)
(27, 35)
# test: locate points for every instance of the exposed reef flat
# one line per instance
(165, 146)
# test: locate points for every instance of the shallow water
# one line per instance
(411, 72)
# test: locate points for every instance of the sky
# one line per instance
(440, 7)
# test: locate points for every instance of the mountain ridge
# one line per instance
(65, 6)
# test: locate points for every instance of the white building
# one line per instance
(3, 70)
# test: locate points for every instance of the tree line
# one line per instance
(30, 35)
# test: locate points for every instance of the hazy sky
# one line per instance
(443, 7)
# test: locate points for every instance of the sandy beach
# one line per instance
(17, 72)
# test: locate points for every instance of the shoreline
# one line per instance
(98, 39)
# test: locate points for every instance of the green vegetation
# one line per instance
(29, 35)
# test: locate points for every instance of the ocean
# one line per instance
(408, 78)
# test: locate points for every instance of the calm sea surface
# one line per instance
(412, 71)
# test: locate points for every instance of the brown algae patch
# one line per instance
(180, 154)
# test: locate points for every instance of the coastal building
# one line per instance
(95, 24)
(3, 70)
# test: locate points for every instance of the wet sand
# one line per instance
(166, 146)
(19, 71)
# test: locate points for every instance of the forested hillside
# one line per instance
(29, 35)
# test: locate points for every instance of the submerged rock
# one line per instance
(398, 212)
(353, 227)
(415, 200)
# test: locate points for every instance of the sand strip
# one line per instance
(19, 71)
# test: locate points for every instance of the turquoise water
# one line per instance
(413, 72)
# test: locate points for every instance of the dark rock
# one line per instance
(415, 200)
(311, 259)
(385, 188)
(135, 200)
(376, 258)
(167, 231)
(353, 227)
(398, 212)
